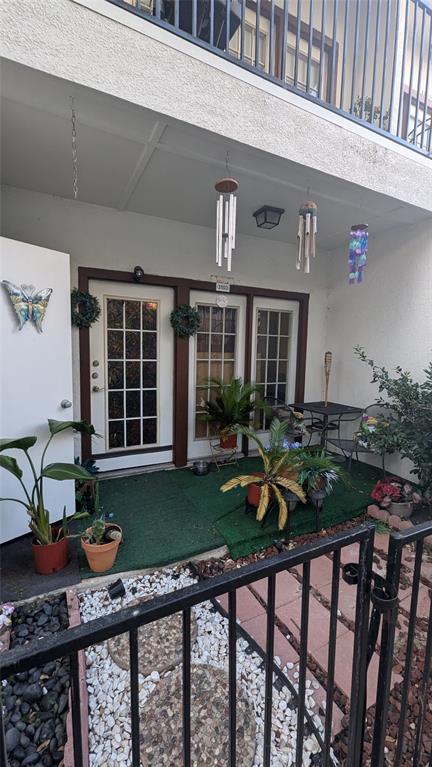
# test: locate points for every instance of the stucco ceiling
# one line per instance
(132, 159)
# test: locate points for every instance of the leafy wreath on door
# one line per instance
(85, 308)
(185, 320)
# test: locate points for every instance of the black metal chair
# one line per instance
(280, 409)
(351, 445)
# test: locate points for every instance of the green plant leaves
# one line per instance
(10, 464)
(84, 427)
(20, 443)
(65, 471)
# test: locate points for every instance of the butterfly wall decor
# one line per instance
(29, 303)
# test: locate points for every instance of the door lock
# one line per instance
(97, 388)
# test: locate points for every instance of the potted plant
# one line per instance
(280, 471)
(101, 541)
(232, 405)
(317, 474)
(397, 496)
(50, 541)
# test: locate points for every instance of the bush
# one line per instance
(411, 415)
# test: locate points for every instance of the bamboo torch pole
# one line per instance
(327, 369)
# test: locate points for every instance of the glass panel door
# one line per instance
(216, 351)
(274, 351)
(272, 363)
(132, 362)
(132, 359)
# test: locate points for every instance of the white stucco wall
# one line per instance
(101, 237)
(390, 315)
(135, 60)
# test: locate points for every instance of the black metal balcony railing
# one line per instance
(369, 60)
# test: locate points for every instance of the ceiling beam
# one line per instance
(142, 163)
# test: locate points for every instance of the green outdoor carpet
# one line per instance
(170, 515)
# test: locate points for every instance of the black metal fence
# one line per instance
(399, 542)
(373, 590)
(369, 60)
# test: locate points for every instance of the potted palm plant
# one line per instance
(232, 405)
(279, 475)
(101, 541)
(318, 473)
(50, 541)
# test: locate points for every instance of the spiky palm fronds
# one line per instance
(233, 402)
(280, 473)
(318, 471)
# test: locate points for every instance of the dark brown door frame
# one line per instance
(182, 287)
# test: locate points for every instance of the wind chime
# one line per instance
(306, 235)
(225, 220)
(358, 248)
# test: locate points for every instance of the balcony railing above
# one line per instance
(369, 60)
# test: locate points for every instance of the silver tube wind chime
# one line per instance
(226, 206)
(306, 235)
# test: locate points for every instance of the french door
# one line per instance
(274, 352)
(132, 368)
(216, 351)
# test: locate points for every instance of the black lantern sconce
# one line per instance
(268, 217)
(138, 273)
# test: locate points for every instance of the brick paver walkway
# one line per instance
(251, 613)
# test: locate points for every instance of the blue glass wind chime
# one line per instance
(358, 248)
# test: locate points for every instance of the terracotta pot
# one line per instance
(402, 510)
(228, 443)
(100, 557)
(254, 491)
(52, 557)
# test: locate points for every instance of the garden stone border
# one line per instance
(69, 755)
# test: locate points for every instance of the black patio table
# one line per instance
(326, 412)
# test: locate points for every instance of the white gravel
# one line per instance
(108, 685)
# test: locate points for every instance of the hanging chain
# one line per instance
(74, 152)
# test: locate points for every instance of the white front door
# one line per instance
(35, 378)
(132, 369)
(274, 350)
(216, 351)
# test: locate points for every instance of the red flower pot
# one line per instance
(254, 492)
(52, 557)
(229, 443)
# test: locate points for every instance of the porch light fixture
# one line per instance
(138, 273)
(268, 217)
(226, 207)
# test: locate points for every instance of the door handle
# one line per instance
(65, 403)
(97, 388)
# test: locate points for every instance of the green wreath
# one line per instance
(85, 308)
(185, 320)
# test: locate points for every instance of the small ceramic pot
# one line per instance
(254, 491)
(228, 443)
(200, 468)
(402, 510)
(100, 557)
(51, 557)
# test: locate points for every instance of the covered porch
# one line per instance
(146, 198)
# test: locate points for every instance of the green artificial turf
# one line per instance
(170, 515)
